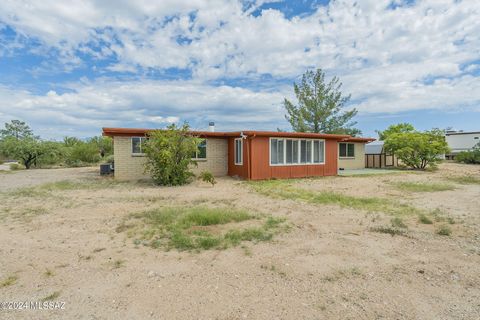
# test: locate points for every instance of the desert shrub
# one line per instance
(81, 153)
(207, 177)
(424, 219)
(444, 230)
(16, 166)
(169, 155)
(471, 157)
(109, 159)
(397, 222)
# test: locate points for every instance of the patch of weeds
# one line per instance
(464, 179)
(118, 263)
(444, 230)
(424, 219)
(423, 187)
(397, 222)
(284, 190)
(388, 230)
(52, 296)
(46, 189)
(247, 251)
(10, 280)
(48, 273)
(197, 228)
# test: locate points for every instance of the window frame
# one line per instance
(142, 140)
(196, 158)
(235, 151)
(346, 150)
(309, 162)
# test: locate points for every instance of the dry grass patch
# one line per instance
(10, 280)
(464, 179)
(197, 228)
(423, 186)
(285, 190)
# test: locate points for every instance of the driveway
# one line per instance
(29, 178)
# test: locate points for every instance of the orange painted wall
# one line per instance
(261, 169)
(233, 169)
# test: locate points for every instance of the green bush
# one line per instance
(207, 177)
(169, 155)
(81, 153)
(472, 157)
(16, 166)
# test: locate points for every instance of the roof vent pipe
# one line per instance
(211, 126)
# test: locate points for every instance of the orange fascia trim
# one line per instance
(358, 139)
(131, 132)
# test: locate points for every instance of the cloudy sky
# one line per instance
(72, 68)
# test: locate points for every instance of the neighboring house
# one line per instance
(252, 155)
(377, 157)
(459, 141)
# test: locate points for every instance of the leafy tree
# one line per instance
(29, 150)
(103, 144)
(417, 149)
(16, 129)
(319, 107)
(169, 154)
(395, 128)
(472, 156)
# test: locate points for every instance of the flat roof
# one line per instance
(453, 133)
(131, 132)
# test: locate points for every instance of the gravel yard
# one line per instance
(359, 247)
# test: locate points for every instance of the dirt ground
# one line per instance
(330, 265)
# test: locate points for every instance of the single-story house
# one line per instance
(459, 141)
(252, 155)
(377, 157)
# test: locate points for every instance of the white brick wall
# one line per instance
(128, 167)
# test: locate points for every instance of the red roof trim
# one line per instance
(130, 132)
(359, 139)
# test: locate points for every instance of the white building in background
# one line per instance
(459, 141)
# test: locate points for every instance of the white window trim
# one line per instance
(235, 152)
(311, 163)
(346, 150)
(196, 158)
(141, 154)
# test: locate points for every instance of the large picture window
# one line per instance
(238, 154)
(346, 150)
(201, 153)
(276, 151)
(137, 145)
(296, 151)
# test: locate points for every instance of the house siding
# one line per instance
(357, 162)
(261, 168)
(131, 167)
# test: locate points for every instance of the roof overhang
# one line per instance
(132, 132)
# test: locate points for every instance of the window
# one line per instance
(276, 151)
(347, 150)
(292, 151)
(201, 152)
(296, 151)
(305, 151)
(238, 154)
(318, 156)
(137, 145)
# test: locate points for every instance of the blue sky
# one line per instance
(70, 69)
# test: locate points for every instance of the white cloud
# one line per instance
(91, 106)
(421, 55)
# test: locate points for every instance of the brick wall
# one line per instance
(128, 167)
